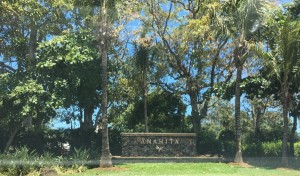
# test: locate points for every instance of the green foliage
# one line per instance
(42, 17)
(22, 98)
(227, 135)
(294, 8)
(69, 67)
(208, 143)
(249, 86)
(41, 140)
(21, 162)
(71, 48)
(267, 149)
(80, 158)
(50, 141)
(272, 148)
(253, 149)
(165, 114)
(47, 158)
(297, 149)
(88, 139)
(115, 141)
(227, 138)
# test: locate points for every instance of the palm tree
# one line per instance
(106, 156)
(142, 56)
(242, 20)
(284, 62)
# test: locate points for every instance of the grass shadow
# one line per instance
(273, 162)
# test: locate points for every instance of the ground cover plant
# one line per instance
(23, 161)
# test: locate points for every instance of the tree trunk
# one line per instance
(11, 138)
(145, 109)
(257, 122)
(80, 118)
(31, 60)
(145, 92)
(284, 160)
(292, 138)
(257, 113)
(238, 129)
(284, 98)
(106, 156)
(204, 109)
(195, 114)
(88, 115)
(32, 47)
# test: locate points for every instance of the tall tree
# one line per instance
(283, 62)
(22, 25)
(243, 19)
(104, 46)
(108, 25)
(142, 59)
(67, 67)
(193, 60)
(108, 15)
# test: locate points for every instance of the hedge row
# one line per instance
(208, 143)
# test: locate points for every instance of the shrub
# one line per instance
(208, 143)
(80, 157)
(252, 149)
(227, 138)
(263, 149)
(21, 162)
(88, 139)
(115, 142)
(297, 149)
(49, 140)
(228, 148)
(272, 148)
(227, 135)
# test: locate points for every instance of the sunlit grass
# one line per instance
(188, 169)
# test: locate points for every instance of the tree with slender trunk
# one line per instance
(282, 60)
(239, 67)
(142, 63)
(106, 155)
(114, 14)
(241, 19)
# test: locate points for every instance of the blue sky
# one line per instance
(284, 1)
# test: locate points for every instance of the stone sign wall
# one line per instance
(158, 144)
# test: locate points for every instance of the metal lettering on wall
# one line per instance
(157, 141)
(158, 144)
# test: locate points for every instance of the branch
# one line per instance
(166, 87)
(216, 57)
(6, 68)
(167, 20)
(181, 3)
(179, 66)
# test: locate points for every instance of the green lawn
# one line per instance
(189, 169)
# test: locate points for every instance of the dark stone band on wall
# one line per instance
(158, 144)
